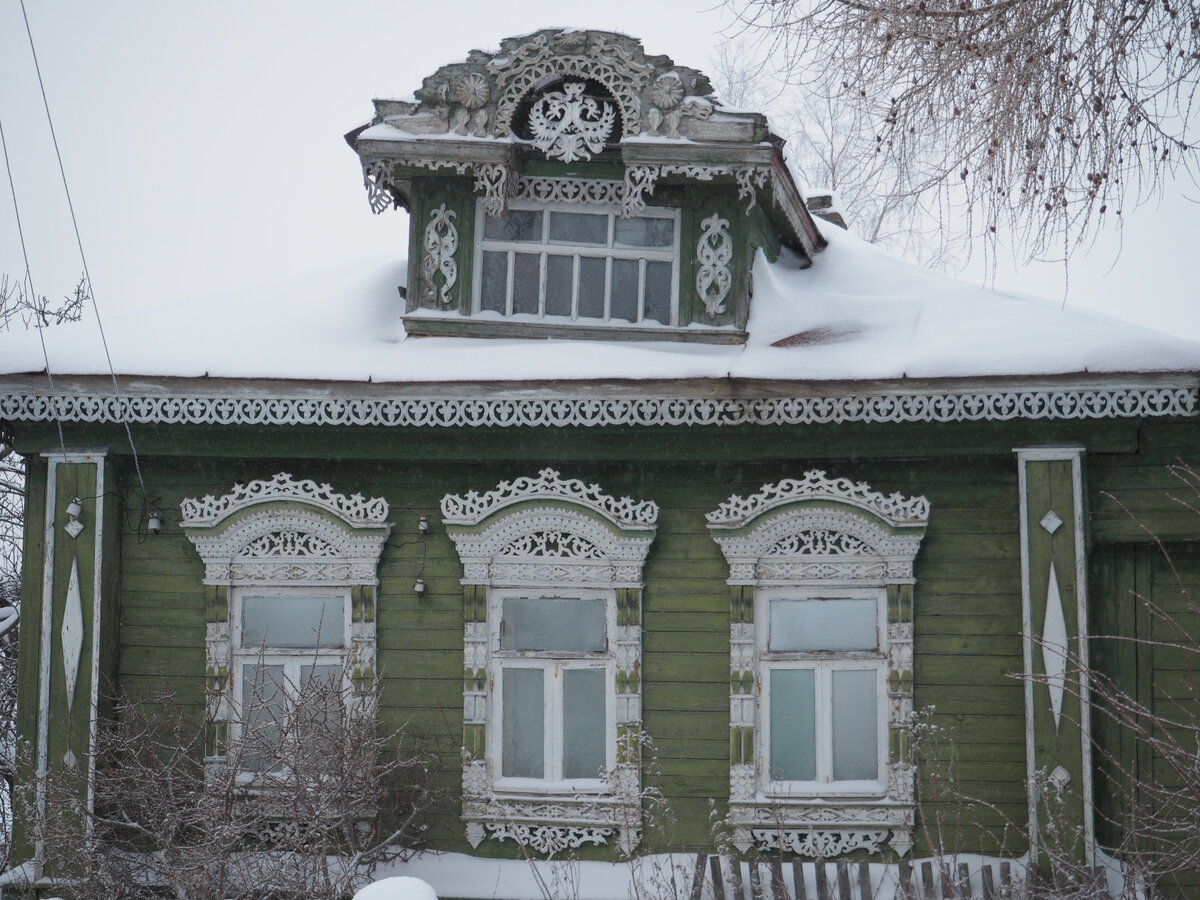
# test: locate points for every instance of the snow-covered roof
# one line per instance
(855, 315)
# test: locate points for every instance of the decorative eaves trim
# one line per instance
(592, 411)
(895, 509)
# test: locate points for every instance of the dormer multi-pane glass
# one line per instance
(570, 262)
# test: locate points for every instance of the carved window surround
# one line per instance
(551, 534)
(286, 534)
(815, 534)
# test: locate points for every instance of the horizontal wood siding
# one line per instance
(967, 607)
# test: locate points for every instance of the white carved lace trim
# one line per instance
(895, 508)
(472, 507)
(355, 509)
(589, 412)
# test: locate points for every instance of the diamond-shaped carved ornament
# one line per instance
(72, 633)
(1055, 647)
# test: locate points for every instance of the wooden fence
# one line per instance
(729, 879)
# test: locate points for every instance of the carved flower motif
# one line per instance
(667, 91)
(473, 91)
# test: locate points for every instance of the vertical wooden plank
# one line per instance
(756, 891)
(864, 880)
(904, 881)
(1005, 876)
(947, 881)
(989, 886)
(964, 881)
(843, 879)
(735, 878)
(927, 889)
(822, 880)
(778, 885)
(714, 864)
(798, 880)
(698, 877)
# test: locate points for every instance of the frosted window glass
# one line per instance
(524, 723)
(658, 293)
(644, 231)
(571, 624)
(526, 282)
(293, 621)
(624, 290)
(516, 225)
(793, 725)
(855, 723)
(591, 287)
(560, 282)
(583, 723)
(494, 289)
(809, 625)
(579, 228)
(264, 712)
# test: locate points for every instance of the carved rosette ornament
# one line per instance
(714, 251)
(568, 125)
(441, 243)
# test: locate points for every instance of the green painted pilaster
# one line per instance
(1055, 625)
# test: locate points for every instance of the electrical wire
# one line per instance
(83, 258)
(28, 280)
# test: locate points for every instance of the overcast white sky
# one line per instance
(203, 142)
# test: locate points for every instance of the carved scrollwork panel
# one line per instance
(441, 243)
(714, 251)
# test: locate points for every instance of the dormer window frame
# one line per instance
(611, 251)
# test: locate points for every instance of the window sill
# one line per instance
(822, 828)
(462, 326)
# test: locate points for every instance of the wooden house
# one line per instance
(645, 482)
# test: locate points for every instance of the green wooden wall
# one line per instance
(968, 592)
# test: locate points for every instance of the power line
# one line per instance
(83, 258)
(28, 280)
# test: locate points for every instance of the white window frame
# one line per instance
(284, 536)
(823, 663)
(546, 247)
(552, 663)
(291, 658)
(546, 536)
(811, 538)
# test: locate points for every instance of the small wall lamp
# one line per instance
(419, 588)
(423, 525)
(154, 523)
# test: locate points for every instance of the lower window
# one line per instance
(822, 674)
(553, 719)
(289, 671)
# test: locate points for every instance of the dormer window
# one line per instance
(573, 186)
(569, 262)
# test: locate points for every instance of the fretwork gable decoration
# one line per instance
(818, 531)
(551, 532)
(283, 530)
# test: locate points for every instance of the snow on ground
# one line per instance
(856, 314)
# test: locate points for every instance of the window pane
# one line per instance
(658, 293)
(855, 722)
(583, 723)
(591, 287)
(624, 290)
(579, 228)
(524, 723)
(320, 705)
(560, 281)
(806, 625)
(644, 231)
(494, 287)
(793, 705)
(293, 621)
(516, 225)
(572, 624)
(264, 715)
(526, 282)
